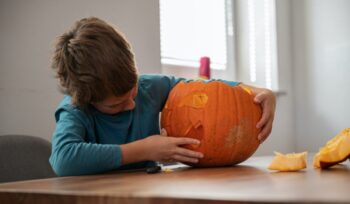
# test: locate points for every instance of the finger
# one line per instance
(259, 97)
(264, 118)
(163, 132)
(185, 140)
(188, 153)
(167, 160)
(265, 132)
(181, 158)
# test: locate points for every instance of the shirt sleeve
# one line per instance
(230, 83)
(72, 155)
(158, 88)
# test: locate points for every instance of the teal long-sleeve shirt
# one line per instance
(88, 142)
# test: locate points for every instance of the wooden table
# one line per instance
(250, 182)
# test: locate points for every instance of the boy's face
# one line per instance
(113, 104)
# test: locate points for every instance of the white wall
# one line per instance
(314, 71)
(28, 89)
(321, 44)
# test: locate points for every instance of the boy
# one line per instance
(109, 118)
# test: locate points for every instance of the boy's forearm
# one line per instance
(134, 152)
(70, 158)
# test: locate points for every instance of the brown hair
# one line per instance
(93, 61)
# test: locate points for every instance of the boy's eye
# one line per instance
(118, 105)
(113, 106)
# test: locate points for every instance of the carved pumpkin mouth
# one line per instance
(221, 116)
(196, 132)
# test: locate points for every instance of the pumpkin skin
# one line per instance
(221, 116)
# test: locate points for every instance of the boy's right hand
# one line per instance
(168, 149)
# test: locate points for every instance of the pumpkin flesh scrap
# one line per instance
(334, 152)
(288, 162)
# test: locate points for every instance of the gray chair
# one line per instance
(24, 157)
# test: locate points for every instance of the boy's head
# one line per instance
(93, 61)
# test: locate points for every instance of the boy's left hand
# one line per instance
(267, 100)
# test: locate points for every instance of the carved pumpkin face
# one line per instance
(222, 117)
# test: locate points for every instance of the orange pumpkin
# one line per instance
(221, 116)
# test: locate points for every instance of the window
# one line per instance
(257, 43)
(239, 36)
(191, 29)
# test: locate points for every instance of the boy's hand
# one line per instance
(267, 100)
(168, 149)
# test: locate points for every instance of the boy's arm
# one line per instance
(159, 86)
(72, 155)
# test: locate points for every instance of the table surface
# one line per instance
(249, 182)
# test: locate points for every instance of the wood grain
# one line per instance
(250, 182)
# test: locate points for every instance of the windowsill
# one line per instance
(186, 66)
(279, 93)
(192, 72)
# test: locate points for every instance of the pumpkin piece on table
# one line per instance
(221, 116)
(334, 152)
(288, 162)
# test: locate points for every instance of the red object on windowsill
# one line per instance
(204, 68)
